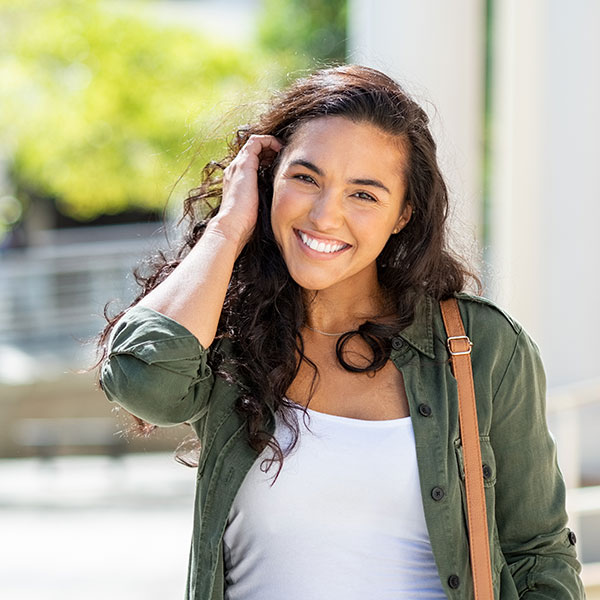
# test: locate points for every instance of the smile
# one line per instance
(321, 246)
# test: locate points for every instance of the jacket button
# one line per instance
(453, 582)
(572, 538)
(487, 471)
(397, 343)
(425, 410)
(437, 493)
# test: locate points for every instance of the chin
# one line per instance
(312, 281)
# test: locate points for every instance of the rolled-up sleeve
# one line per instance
(156, 369)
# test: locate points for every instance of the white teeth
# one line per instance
(320, 246)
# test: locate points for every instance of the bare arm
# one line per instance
(194, 293)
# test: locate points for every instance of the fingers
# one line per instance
(257, 143)
(259, 149)
(240, 181)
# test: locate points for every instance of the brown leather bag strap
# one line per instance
(459, 346)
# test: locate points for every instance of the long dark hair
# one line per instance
(264, 308)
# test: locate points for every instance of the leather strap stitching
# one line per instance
(476, 509)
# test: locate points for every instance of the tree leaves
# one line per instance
(103, 110)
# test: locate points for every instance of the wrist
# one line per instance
(228, 231)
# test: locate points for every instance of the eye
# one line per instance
(301, 177)
(366, 196)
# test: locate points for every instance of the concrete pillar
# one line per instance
(545, 205)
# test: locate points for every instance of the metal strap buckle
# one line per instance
(459, 337)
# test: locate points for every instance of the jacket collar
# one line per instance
(419, 334)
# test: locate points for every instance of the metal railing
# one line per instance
(566, 406)
(52, 296)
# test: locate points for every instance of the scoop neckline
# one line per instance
(353, 421)
(342, 418)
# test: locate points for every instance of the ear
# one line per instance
(404, 218)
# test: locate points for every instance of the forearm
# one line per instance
(194, 293)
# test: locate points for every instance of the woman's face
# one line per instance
(338, 194)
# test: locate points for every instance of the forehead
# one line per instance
(346, 144)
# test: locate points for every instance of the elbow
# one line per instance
(154, 394)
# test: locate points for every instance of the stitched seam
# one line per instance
(210, 441)
(213, 563)
(448, 529)
(194, 379)
(517, 327)
(508, 365)
(479, 489)
(156, 342)
(531, 575)
(468, 416)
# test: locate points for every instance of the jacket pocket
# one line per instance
(488, 466)
(488, 460)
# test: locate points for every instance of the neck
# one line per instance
(331, 311)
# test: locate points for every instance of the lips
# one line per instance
(322, 246)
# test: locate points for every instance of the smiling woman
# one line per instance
(335, 204)
(315, 278)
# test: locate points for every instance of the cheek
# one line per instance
(372, 232)
(283, 209)
(276, 215)
(279, 216)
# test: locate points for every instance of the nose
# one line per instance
(326, 212)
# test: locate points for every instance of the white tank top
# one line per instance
(343, 521)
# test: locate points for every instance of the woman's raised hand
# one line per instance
(239, 207)
(193, 294)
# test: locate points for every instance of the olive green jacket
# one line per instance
(157, 370)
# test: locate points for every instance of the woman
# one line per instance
(315, 279)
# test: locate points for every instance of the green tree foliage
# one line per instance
(102, 109)
(310, 30)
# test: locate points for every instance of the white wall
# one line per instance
(435, 50)
(545, 199)
(546, 195)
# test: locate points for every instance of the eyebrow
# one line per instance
(312, 167)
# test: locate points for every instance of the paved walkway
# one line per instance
(95, 528)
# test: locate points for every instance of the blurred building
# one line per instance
(57, 275)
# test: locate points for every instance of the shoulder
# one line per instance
(479, 312)
(495, 334)
(503, 351)
(492, 326)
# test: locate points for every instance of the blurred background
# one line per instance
(108, 112)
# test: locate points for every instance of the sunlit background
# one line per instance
(108, 112)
